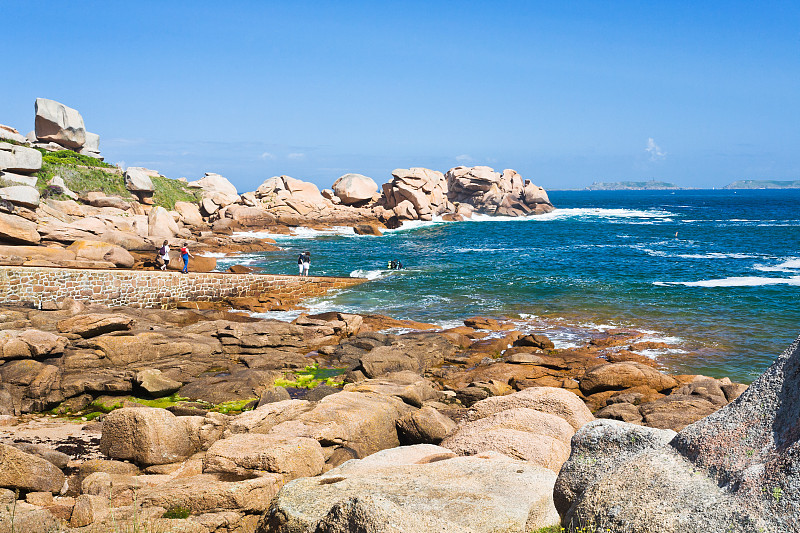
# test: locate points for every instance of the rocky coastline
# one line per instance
(207, 419)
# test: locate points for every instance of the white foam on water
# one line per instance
(791, 265)
(582, 212)
(369, 274)
(740, 281)
(410, 225)
(283, 316)
(717, 255)
(212, 254)
(299, 233)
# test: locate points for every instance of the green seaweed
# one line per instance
(312, 376)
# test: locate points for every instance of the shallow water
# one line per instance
(723, 293)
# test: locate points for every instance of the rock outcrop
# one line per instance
(416, 193)
(735, 470)
(494, 193)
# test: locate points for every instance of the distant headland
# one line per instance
(764, 184)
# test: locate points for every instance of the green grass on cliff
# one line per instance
(72, 158)
(168, 191)
(83, 174)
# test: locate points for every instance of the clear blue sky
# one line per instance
(697, 93)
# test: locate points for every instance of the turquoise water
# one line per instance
(723, 294)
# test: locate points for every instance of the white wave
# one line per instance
(717, 255)
(298, 233)
(212, 254)
(369, 274)
(791, 265)
(741, 281)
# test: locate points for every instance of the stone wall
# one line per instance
(147, 288)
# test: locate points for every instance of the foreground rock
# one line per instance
(733, 471)
(417, 489)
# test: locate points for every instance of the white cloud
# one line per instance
(655, 151)
(296, 155)
(267, 155)
(464, 158)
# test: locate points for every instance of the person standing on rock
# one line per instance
(300, 263)
(185, 255)
(163, 253)
(306, 263)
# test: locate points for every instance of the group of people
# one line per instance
(163, 256)
(304, 264)
(394, 265)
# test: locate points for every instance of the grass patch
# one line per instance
(177, 513)
(167, 192)
(12, 141)
(81, 180)
(311, 376)
(69, 157)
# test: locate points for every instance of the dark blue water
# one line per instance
(724, 293)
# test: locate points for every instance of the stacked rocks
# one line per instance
(417, 193)
(490, 192)
(59, 126)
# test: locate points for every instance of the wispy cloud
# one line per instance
(655, 151)
(267, 155)
(121, 164)
(464, 158)
(296, 155)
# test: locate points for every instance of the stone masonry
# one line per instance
(152, 289)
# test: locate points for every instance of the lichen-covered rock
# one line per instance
(736, 470)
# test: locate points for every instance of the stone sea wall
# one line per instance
(152, 289)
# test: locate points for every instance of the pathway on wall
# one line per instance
(147, 288)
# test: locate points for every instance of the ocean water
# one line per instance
(724, 294)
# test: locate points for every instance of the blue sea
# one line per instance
(714, 274)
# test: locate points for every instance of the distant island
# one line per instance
(764, 184)
(631, 186)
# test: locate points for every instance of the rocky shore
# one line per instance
(244, 424)
(207, 419)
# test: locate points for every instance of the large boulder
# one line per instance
(20, 470)
(58, 123)
(19, 344)
(521, 433)
(408, 491)
(18, 230)
(249, 455)
(146, 436)
(354, 188)
(23, 195)
(160, 224)
(737, 470)
(12, 134)
(102, 251)
(216, 188)
(552, 400)
(20, 159)
(618, 376)
(190, 213)
(138, 181)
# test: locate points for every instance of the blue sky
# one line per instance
(566, 93)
